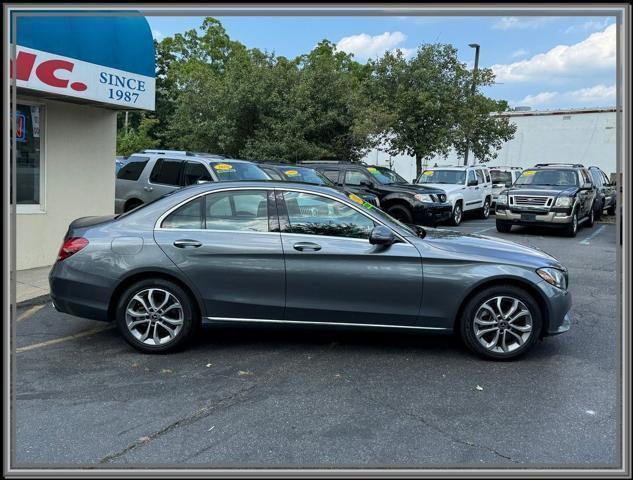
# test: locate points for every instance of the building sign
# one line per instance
(20, 127)
(61, 75)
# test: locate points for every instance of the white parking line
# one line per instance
(30, 312)
(594, 234)
(485, 229)
(63, 339)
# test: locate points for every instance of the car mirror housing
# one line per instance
(472, 183)
(508, 184)
(586, 186)
(381, 235)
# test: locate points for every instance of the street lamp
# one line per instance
(472, 91)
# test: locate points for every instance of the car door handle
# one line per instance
(187, 243)
(148, 189)
(307, 247)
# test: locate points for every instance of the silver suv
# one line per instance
(152, 173)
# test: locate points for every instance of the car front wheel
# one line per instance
(156, 316)
(501, 323)
(572, 229)
(456, 217)
(503, 227)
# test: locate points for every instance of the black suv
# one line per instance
(287, 172)
(548, 194)
(411, 204)
(606, 194)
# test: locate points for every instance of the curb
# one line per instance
(34, 301)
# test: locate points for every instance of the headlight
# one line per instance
(554, 277)
(563, 202)
(423, 197)
(502, 199)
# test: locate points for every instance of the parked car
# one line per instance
(118, 163)
(548, 194)
(152, 173)
(205, 254)
(411, 204)
(296, 173)
(606, 193)
(502, 178)
(468, 188)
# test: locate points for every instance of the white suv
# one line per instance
(467, 188)
(502, 178)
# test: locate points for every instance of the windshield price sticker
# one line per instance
(223, 167)
(428, 173)
(356, 199)
(529, 172)
(292, 173)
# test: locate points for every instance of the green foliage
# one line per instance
(136, 138)
(215, 95)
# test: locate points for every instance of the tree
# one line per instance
(137, 139)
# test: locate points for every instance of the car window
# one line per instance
(606, 179)
(331, 174)
(234, 171)
(551, 177)
(305, 175)
(471, 176)
(487, 173)
(500, 177)
(386, 176)
(195, 171)
(245, 210)
(316, 215)
(597, 177)
(133, 168)
(585, 176)
(189, 216)
(354, 177)
(480, 176)
(452, 177)
(272, 173)
(166, 172)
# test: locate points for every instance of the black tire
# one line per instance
(572, 229)
(611, 210)
(457, 214)
(503, 227)
(131, 205)
(485, 211)
(400, 212)
(190, 316)
(467, 322)
(599, 209)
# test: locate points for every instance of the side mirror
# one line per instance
(201, 181)
(472, 183)
(508, 184)
(381, 235)
(586, 186)
(365, 183)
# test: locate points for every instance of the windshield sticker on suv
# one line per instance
(356, 199)
(223, 167)
(373, 170)
(292, 173)
(529, 172)
(428, 173)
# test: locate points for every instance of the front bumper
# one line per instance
(558, 303)
(516, 217)
(431, 213)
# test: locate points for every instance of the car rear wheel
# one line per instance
(599, 209)
(591, 218)
(401, 213)
(456, 217)
(156, 316)
(485, 211)
(572, 229)
(503, 227)
(501, 323)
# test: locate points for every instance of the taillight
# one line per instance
(71, 246)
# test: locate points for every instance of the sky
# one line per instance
(541, 62)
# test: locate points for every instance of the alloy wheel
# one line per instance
(154, 316)
(502, 324)
(486, 209)
(457, 214)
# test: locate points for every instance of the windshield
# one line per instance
(499, 176)
(231, 171)
(306, 175)
(385, 176)
(558, 178)
(453, 177)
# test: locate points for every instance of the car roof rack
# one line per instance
(506, 166)
(165, 152)
(211, 155)
(575, 165)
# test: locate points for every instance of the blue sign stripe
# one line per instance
(118, 41)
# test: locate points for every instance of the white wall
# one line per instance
(587, 138)
(79, 150)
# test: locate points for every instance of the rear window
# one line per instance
(133, 168)
(166, 172)
(499, 176)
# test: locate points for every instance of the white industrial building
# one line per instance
(586, 136)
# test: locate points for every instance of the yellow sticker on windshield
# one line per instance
(529, 172)
(372, 169)
(428, 173)
(292, 173)
(223, 167)
(356, 199)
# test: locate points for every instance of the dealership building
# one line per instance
(586, 136)
(72, 73)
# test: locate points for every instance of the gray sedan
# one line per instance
(283, 253)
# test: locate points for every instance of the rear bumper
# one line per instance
(431, 214)
(75, 295)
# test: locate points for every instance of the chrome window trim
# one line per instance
(158, 222)
(302, 322)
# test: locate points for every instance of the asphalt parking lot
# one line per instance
(292, 397)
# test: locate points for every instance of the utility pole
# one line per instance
(472, 92)
(125, 122)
